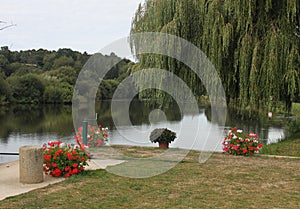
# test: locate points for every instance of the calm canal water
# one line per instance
(35, 125)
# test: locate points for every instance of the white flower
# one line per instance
(76, 146)
(239, 131)
(234, 137)
(61, 145)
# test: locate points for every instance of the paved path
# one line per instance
(9, 177)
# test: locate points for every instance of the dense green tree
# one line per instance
(5, 91)
(48, 61)
(107, 89)
(29, 72)
(53, 94)
(64, 74)
(63, 61)
(3, 61)
(67, 92)
(27, 89)
(254, 45)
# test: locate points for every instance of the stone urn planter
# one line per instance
(163, 137)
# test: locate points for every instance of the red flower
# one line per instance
(54, 165)
(69, 155)
(260, 146)
(75, 171)
(75, 165)
(234, 129)
(82, 147)
(57, 172)
(47, 157)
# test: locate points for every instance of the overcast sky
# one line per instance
(82, 25)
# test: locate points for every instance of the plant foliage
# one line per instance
(254, 45)
(162, 135)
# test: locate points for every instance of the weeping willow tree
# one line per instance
(253, 44)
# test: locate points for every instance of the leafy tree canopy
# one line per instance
(254, 45)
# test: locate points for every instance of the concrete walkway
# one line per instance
(9, 177)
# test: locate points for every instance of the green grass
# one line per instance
(287, 147)
(296, 109)
(291, 145)
(223, 181)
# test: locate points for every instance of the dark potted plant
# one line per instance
(163, 136)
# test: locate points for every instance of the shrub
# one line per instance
(293, 128)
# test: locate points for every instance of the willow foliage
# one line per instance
(254, 44)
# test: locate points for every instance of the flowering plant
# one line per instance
(62, 159)
(96, 136)
(237, 142)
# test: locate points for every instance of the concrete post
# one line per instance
(31, 164)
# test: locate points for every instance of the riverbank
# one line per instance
(223, 181)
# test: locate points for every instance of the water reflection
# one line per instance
(23, 125)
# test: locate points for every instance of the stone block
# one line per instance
(31, 164)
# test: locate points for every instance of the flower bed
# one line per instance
(237, 142)
(96, 136)
(62, 159)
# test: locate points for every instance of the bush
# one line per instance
(162, 135)
(293, 128)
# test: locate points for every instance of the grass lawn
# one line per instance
(296, 109)
(223, 181)
(287, 147)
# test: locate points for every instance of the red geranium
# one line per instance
(64, 160)
(237, 142)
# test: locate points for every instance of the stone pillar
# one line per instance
(31, 164)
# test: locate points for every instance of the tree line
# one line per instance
(48, 77)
